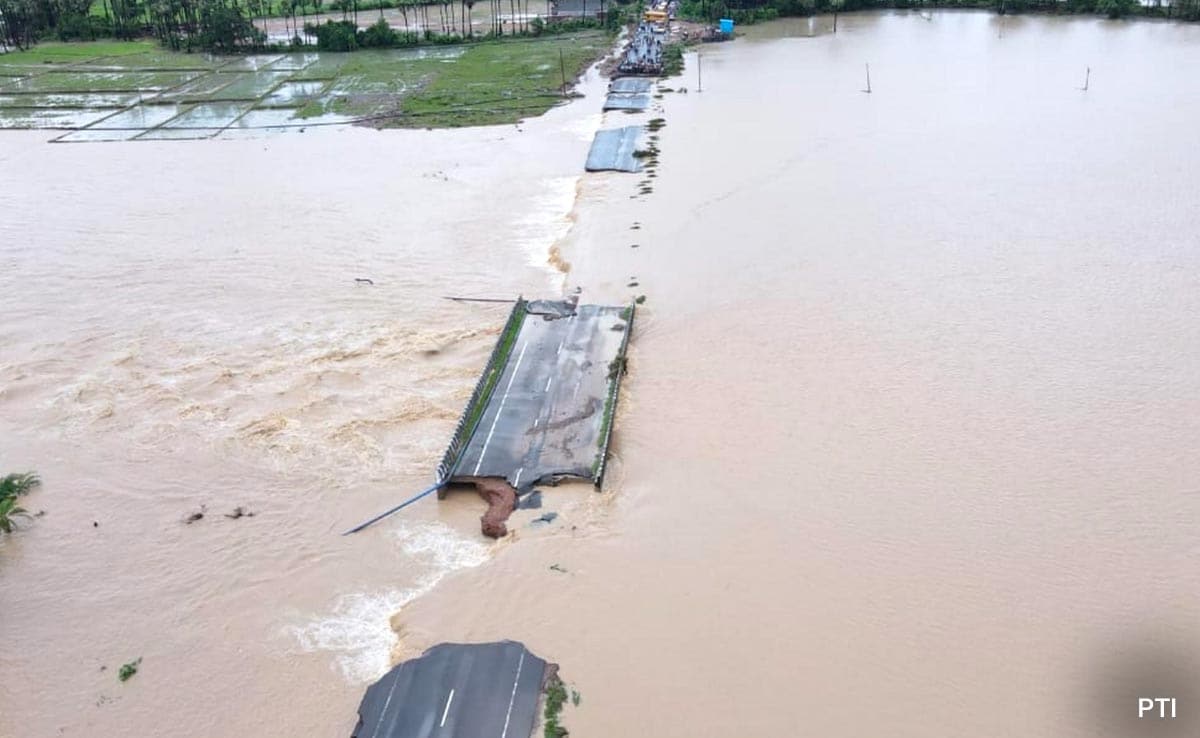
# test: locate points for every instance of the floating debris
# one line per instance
(198, 515)
(128, 670)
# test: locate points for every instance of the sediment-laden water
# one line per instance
(906, 447)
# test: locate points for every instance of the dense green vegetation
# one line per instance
(751, 11)
(556, 697)
(12, 488)
(230, 25)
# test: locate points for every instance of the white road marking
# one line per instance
(513, 697)
(549, 379)
(517, 479)
(447, 710)
(501, 408)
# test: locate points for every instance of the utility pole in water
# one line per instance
(868, 90)
(1087, 78)
(562, 67)
(699, 74)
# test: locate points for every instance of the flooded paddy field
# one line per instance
(132, 91)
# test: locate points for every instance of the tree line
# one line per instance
(232, 25)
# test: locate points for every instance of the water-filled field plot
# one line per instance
(290, 94)
(119, 91)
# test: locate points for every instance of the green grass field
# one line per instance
(57, 52)
(501, 82)
(490, 82)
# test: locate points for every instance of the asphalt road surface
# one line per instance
(456, 691)
(613, 150)
(544, 417)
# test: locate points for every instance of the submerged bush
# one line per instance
(12, 487)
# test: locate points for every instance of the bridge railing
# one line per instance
(482, 393)
(610, 403)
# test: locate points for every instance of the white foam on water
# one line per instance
(584, 127)
(358, 630)
(546, 220)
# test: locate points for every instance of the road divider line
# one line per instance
(447, 710)
(499, 410)
(513, 697)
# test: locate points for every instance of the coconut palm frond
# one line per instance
(9, 511)
(15, 485)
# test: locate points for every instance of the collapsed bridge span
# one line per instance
(542, 410)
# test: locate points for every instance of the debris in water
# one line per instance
(128, 670)
(549, 517)
(363, 280)
(556, 567)
(531, 501)
(640, 299)
(198, 515)
(240, 512)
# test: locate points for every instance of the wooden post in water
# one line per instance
(835, 20)
(699, 74)
(1087, 78)
(868, 90)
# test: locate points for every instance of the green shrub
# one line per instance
(79, 27)
(225, 28)
(378, 36)
(334, 35)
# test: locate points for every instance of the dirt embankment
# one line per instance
(501, 498)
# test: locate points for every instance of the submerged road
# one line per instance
(545, 416)
(486, 690)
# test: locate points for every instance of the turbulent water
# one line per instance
(907, 446)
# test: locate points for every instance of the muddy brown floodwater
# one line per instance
(906, 447)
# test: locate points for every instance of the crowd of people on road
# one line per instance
(644, 55)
